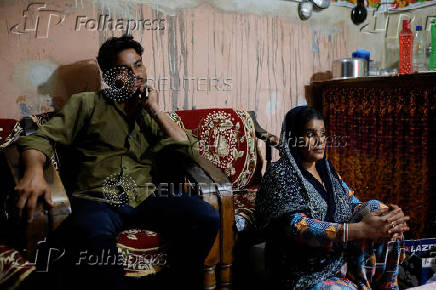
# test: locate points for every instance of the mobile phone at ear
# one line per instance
(143, 95)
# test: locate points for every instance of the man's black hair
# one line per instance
(109, 50)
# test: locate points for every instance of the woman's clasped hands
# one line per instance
(387, 223)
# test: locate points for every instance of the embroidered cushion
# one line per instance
(143, 252)
(244, 205)
(13, 268)
(226, 137)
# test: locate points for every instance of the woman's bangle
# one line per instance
(343, 232)
(346, 236)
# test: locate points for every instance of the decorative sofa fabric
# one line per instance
(9, 129)
(143, 251)
(6, 126)
(244, 205)
(14, 268)
(227, 138)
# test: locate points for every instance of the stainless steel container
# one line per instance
(349, 68)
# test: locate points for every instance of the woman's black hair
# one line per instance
(109, 50)
(297, 124)
(296, 120)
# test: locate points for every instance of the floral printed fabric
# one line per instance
(373, 265)
(335, 283)
(370, 265)
(322, 234)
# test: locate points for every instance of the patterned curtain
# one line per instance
(390, 148)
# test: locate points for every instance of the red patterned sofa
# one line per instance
(144, 251)
(227, 140)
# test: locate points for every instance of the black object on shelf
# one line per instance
(359, 13)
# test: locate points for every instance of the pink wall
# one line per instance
(257, 62)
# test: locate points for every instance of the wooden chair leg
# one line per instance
(213, 258)
(227, 240)
(209, 278)
(225, 276)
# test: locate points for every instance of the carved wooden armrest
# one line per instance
(271, 140)
(263, 134)
(213, 182)
(45, 220)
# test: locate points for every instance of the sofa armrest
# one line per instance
(263, 134)
(221, 186)
(45, 220)
(271, 140)
(217, 179)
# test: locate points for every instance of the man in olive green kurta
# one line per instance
(105, 145)
(113, 141)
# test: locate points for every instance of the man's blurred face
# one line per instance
(132, 60)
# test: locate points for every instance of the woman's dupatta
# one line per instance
(285, 191)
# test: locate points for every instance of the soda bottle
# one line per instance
(406, 49)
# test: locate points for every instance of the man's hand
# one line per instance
(33, 184)
(169, 127)
(151, 102)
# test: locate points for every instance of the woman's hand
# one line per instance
(383, 224)
(398, 221)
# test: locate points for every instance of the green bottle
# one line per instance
(432, 63)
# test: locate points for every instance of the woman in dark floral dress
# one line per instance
(319, 235)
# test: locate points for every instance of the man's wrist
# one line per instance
(154, 110)
(156, 113)
(34, 171)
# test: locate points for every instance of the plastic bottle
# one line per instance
(432, 62)
(406, 49)
(419, 58)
